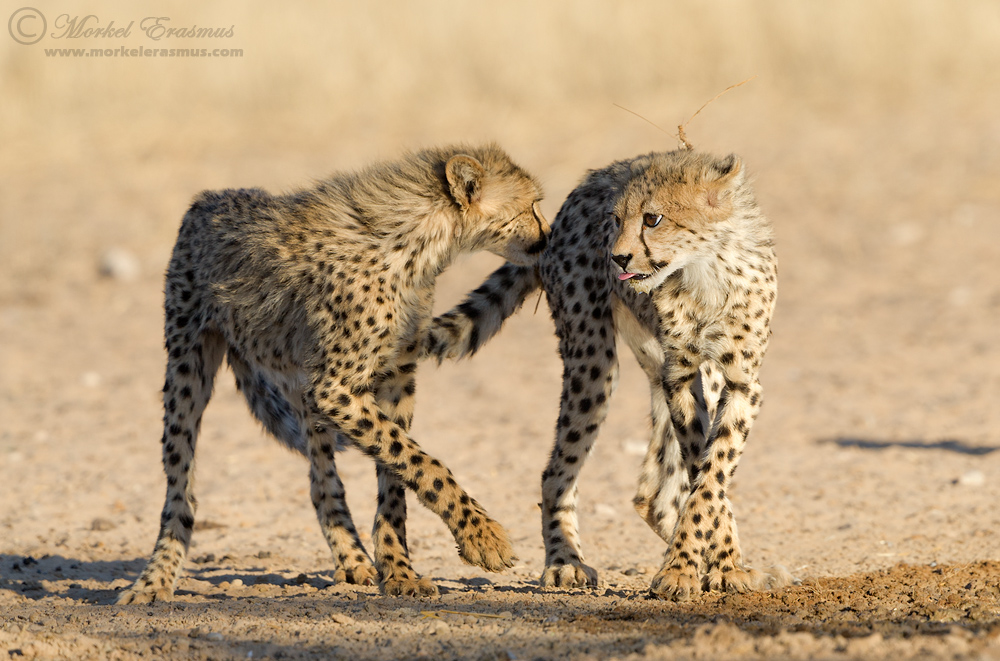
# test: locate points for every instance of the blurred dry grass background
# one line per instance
(379, 74)
(336, 77)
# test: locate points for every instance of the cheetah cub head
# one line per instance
(498, 205)
(672, 211)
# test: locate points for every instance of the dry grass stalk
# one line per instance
(681, 135)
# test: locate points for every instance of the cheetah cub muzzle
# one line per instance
(670, 252)
(318, 301)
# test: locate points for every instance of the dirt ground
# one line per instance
(872, 473)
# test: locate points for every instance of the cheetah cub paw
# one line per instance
(409, 586)
(736, 579)
(144, 595)
(362, 574)
(573, 575)
(676, 584)
(747, 579)
(486, 545)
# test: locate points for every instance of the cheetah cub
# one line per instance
(318, 300)
(670, 252)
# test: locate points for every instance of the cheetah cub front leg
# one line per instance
(703, 549)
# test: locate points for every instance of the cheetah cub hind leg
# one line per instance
(276, 401)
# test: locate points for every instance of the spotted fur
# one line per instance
(670, 252)
(318, 300)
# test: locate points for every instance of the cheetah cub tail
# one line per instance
(460, 332)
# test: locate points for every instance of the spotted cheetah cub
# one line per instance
(318, 300)
(670, 252)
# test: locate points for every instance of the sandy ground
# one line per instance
(872, 473)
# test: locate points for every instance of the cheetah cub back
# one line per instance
(670, 252)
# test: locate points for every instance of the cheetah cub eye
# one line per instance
(651, 219)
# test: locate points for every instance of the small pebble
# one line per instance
(635, 447)
(972, 479)
(119, 264)
(605, 510)
(213, 635)
(102, 524)
(237, 583)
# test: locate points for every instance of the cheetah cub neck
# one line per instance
(688, 222)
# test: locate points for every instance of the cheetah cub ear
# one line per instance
(465, 177)
(722, 178)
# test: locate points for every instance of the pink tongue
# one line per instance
(625, 276)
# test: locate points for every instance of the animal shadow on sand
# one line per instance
(949, 445)
(93, 581)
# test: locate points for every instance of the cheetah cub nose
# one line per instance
(621, 260)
